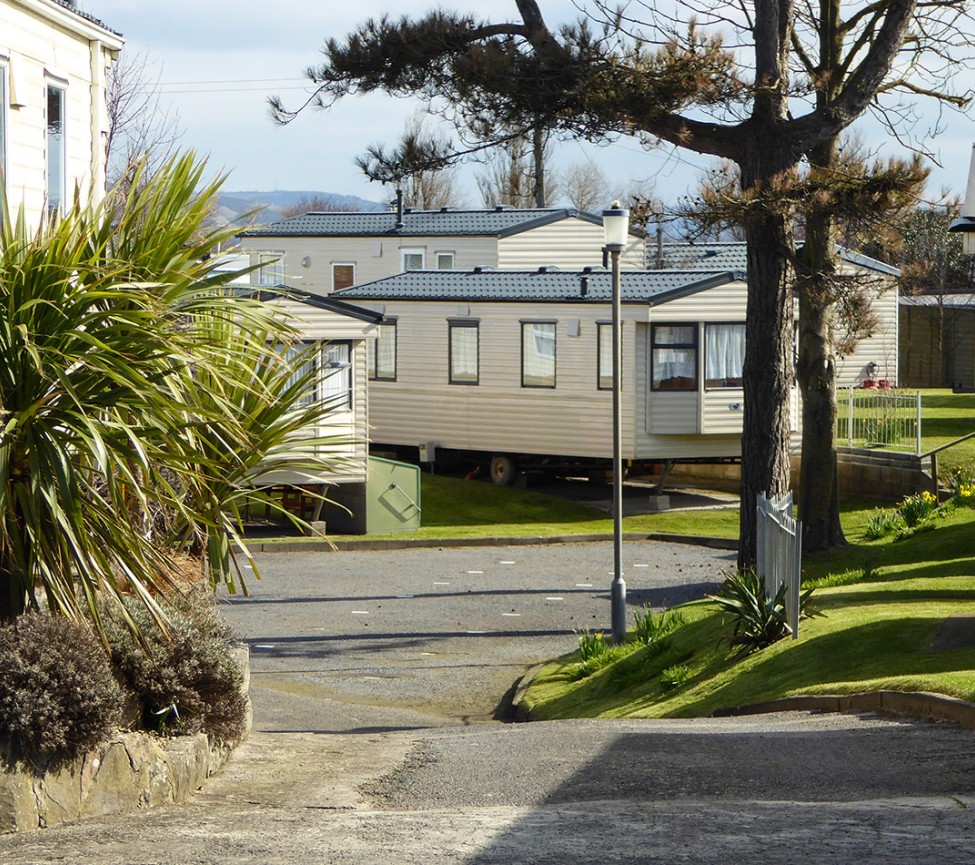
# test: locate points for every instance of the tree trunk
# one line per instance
(818, 477)
(767, 370)
(538, 164)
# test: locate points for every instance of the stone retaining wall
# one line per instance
(130, 772)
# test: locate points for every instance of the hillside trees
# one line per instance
(663, 74)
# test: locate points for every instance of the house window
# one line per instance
(272, 268)
(604, 356)
(382, 353)
(538, 354)
(55, 148)
(464, 339)
(343, 276)
(674, 356)
(413, 259)
(4, 101)
(336, 381)
(724, 355)
(445, 261)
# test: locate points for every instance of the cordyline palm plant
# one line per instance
(114, 335)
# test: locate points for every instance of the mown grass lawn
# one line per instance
(947, 416)
(883, 602)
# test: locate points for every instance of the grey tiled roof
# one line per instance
(949, 301)
(499, 222)
(731, 255)
(641, 286)
(86, 16)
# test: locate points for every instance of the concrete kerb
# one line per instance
(915, 704)
(365, 544)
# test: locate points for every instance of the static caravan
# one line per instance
(345, 333)
(329, 251)
(516, 367)
(875, 356)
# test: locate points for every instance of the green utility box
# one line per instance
(389, 501)
(392, 496)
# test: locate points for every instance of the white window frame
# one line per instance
(412, 250)
(445, 254)
(336, 382)
(661, 348)
(271, 270)
(55, 197)
(4, 116)
(343, 264)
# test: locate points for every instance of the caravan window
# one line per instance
(538, 354)
(382, 353)
(327, 372)
(463, 340)
(725, 355)
(674, 356)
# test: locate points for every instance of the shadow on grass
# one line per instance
(875, 650)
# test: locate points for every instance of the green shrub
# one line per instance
(917, 508)
(759, 620)
(184, 684)
(675, 676)
(58, 697)
(651, 630)
(595, 653)
(883, 523)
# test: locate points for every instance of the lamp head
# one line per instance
(616, 225)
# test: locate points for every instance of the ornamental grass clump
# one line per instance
(759, 619)
(183, 684)
(58, 697)
(651, 630)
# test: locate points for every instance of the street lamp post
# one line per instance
(616, 224)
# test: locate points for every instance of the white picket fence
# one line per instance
(779, 553)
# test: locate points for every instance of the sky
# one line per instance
(218, 61)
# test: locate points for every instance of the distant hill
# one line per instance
(234, 205)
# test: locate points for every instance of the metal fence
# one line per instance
(779, 553)
(879, 418)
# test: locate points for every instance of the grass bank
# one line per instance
(883, 603)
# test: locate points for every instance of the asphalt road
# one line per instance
(384, 667)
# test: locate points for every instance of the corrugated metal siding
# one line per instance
(345, 435)
(920, 362)
(498, 414)
(881, 348)
(722, 411)
(570, 244)
(374, 258)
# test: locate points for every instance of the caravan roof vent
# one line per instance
(548, 268)
(483, 268)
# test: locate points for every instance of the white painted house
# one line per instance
(326, 252)
(54, 61)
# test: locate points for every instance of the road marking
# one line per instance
(555, 599)
(641, 566)
(477, 632)
(263, 647)
(475, 572)
(512, 615)
(583, 585)
(441, 584)
(507, 563)
(360, 612)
